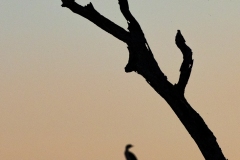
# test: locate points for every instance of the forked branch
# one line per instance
(141, 60)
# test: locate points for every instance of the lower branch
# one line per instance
(196, 127)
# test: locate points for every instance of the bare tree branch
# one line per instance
(92, 15)
(141, 60)
(187, 63)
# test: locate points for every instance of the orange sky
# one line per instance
(64, 93)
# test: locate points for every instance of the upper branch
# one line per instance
(187, 63)
(92, 15)
(124, 7)
(133, 25)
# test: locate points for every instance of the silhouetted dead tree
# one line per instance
(141, 61)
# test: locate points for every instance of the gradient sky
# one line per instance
(64, 94)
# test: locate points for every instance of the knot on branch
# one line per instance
(132, 61)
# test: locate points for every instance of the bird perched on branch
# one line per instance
(179, 38)
(129, 155)
(186, 51)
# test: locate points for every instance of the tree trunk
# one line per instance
(141, 61)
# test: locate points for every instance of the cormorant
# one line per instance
(129, 155)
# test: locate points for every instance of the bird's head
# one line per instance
(128, 146)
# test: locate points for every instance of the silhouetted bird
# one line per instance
(179, 37)
(129, 155)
